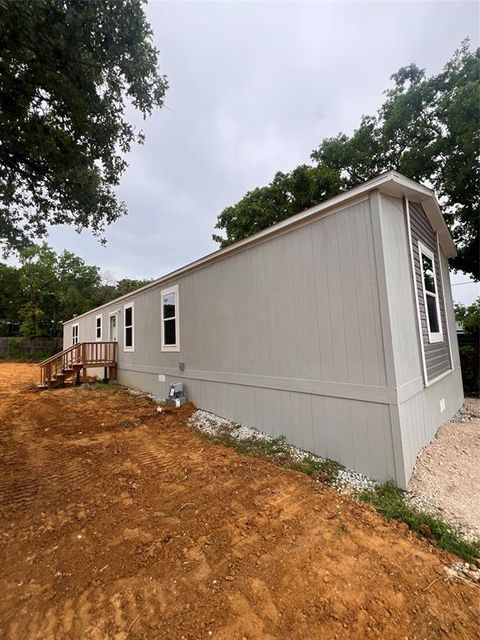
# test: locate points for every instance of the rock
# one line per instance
(424, 530)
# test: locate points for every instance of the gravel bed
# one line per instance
(347, 480)
(446, 477)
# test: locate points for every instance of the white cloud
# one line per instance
(254, 88)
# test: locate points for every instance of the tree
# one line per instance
(127, 285)
(68, 69)
(469, 346)
(427, 128)
(287, 194)
(10, 300)
(54, 288)
(469, 317)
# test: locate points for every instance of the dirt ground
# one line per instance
(117, 522)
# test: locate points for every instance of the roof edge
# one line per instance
(390, 182)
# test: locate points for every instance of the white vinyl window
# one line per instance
(128, 327)
(170, 316)
(98, 328)
(74, 333)
(430, 293)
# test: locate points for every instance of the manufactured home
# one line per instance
(333, 328)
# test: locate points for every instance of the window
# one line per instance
(430, 294)
(170, 328)
(74, 333)
(98, 328)
(128, 327)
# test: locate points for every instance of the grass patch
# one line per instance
(279, 451)
(390, 502)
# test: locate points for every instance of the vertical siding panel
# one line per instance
(349, 299)
(332, 450)
(344, 430)
(367, 300)
(337, 328)
(324, 327)
(362, 451)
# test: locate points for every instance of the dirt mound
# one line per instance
(117, 522)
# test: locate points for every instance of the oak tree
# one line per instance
(68, 71)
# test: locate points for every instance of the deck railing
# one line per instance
(78, 356)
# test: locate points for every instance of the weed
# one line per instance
(99, 385)
(279, 451)
(390, 502)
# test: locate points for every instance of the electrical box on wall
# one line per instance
(442, 405)
(161, 377)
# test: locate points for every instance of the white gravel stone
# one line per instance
(446, 477)
(347, 480)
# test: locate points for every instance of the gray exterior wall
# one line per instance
(437, 354)
(417, 413)
(285, 336)
(311, 334)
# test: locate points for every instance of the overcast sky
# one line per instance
(254, 87)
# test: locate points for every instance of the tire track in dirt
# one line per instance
(121, 524)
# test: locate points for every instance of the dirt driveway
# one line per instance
(116, 522)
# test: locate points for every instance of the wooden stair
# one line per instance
(72, 363)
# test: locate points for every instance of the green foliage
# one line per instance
(469, 346)
(287, 194)
(10, 295)
(390, 502)
(126, 285)
(53, 288)
(48, 288)
(469, 317)
(427, 128)
(68, 70)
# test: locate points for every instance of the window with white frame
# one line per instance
(430, 293)
(74, 333)
(128, 323)
(170, 325)
(98, 328)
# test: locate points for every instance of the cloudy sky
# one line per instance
(254, 87)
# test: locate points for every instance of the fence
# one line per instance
(14, 348)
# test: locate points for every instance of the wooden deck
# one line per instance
(72, 363)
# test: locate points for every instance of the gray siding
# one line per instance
(285, 336)
(312, 334)
(437, 354)
(421, 415)
(416, 414)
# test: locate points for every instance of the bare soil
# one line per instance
(117, 522)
